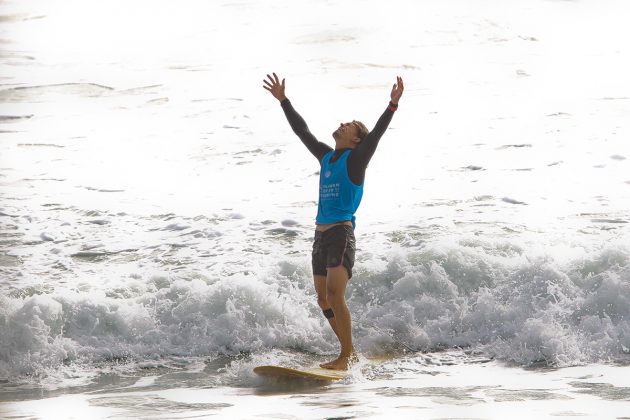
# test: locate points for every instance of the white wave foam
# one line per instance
(508, 302)
(159, 318)
(518, 308)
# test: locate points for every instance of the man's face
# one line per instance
(347, 132)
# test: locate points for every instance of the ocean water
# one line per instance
(157, 213)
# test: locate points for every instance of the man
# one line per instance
(340, 190)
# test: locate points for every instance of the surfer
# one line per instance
(341, 182)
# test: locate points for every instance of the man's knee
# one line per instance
(322, 302)
(333, 297)
(336, 285)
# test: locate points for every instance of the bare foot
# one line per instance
(328, 365)
(325, 365)
(341, 362)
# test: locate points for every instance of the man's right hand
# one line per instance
(274, 86)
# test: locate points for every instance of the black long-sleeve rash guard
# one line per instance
(359, 156)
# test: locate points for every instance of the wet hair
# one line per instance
(363, 131)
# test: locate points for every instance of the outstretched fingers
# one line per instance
(397, 89)
(271, 81)
(273, 85)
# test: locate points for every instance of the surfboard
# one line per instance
(307, 373)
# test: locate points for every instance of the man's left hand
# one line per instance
(397, 90)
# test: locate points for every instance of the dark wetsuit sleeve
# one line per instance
(317, 148)
(361, 155)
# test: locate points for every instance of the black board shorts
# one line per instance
(332, 248)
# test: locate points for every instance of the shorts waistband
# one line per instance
(332, 230)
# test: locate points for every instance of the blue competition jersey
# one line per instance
(339, 197)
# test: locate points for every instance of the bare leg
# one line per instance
(320, 288)
(336, 283)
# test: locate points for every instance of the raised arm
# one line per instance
(298, 125)
(366, 148)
